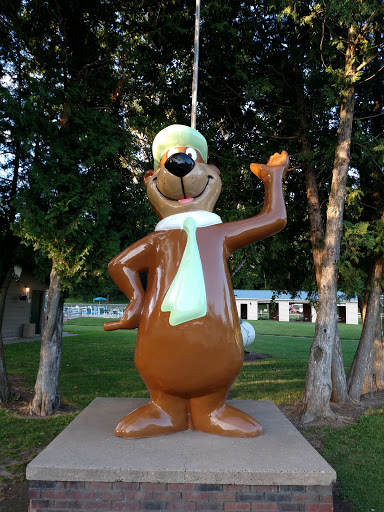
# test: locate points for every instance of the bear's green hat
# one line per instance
(178, 135)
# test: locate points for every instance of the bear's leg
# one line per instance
(211, 414)
(164, 414)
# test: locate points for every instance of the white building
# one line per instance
(24, 305)
(250, 306)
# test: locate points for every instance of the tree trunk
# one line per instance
(374, 377)
(378, 358)
(363, 359)
(363, 301)
(318, 385)
(47, 400)
(6, 391)
(339, 381)
(338, 378)
(314, 206)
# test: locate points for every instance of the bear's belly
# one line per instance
(194, 358)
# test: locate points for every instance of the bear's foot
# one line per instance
(214, 417)
(150, 420)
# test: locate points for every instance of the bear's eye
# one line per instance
(191, 153)
(172, 152)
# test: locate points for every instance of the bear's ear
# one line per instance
(215, 168)
(147, 175)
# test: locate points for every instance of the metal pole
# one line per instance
(195, 65)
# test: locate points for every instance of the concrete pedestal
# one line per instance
(87, 468)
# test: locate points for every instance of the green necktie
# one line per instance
(186, 298)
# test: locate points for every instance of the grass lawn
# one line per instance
(95, 363)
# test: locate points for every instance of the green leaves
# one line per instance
(96, 85)
(362, 243)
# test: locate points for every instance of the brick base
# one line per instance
(46, 496)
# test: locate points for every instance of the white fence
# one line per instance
(93, 310)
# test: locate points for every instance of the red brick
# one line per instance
(42, 504)
(34, 494)
(264, 488)
(70, 485)
(42, 484)
(99, 485)
(305, 498)
(126, 486)
(321, 507)
(111, 495)
(213, 505)
(222, 496)
(167, 496)
(182, 506)
(233, 507)
(326, 499)
(150, 486)
(264, 507)
(292, 507)
(65, 510)
(83, 495)
(195, 496)
(138, 495)
(253, 496)
(234, 487)
(106, 508)
(70, 504)
(292, 488)
(151, 505)
(181, 487)
(125, 505)
(97, 505)
(209, 487)
(55, 493)
(320, 489)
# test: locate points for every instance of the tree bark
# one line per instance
(46, 399)
(318, 385)
(314, 206)
(339, 381)
(338, 378)
(378, 358)
(362, 301)
(363, 359)
(6, 391)
(374, 377)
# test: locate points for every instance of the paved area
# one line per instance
(9, 341)
(88, 450)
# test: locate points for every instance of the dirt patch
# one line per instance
(253, 356)
(14, 497)
(23, 395)
(344, 414)
(19, 406)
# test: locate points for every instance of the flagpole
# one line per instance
(195, 65)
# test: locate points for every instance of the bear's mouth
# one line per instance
(184, 200)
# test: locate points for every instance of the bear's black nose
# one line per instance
(179, 164)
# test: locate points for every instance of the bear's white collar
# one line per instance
(201, 217)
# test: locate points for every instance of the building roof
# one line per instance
(267, 295)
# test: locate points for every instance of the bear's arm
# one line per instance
(125, 269)
(273, 216)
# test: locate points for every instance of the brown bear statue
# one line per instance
(189, 346)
